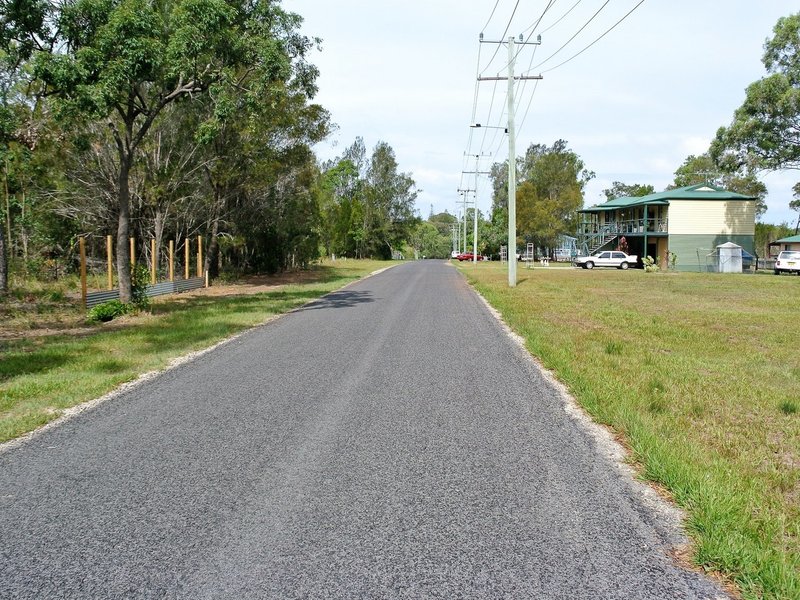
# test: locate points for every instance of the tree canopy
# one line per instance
(123, 62)
(551, 192)
(702, 169)
(619, 190)
(765, 131)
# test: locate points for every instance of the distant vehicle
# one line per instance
(467, 256)
(607, 258)
(788, 261)
(454, 254)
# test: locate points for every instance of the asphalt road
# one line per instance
(387, 441)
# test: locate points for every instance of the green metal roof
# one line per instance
(702, 191)
(692, 192)
(795, 239)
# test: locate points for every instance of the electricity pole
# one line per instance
(475, 212)
(465, 203)
(512, 151)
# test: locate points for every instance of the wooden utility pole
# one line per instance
(172, 260)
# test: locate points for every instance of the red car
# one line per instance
(467, 256)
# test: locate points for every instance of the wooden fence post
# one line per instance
(199, 256)
(186, 260)
(172, 260)
(153, 264)
(133, 253)
(110, 261)
(82, 246)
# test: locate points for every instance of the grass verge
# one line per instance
(40, 376)
(699, 373)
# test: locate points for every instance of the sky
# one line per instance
(633, 106)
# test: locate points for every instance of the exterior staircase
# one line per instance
(594, 242)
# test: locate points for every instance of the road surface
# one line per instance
(386, 441)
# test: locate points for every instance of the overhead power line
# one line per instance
(561, 18)
(490, 16)
(508, 25)
(597, 40)
(585, 25)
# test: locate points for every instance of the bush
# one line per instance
(107, 311)
(650, 265)
(140, 279)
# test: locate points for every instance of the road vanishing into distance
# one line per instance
(386, 441)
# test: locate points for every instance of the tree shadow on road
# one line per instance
(342, 299)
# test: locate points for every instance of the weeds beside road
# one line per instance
(699, 374)
(51, 359)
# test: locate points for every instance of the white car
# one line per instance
(606, 258)
(788, 261)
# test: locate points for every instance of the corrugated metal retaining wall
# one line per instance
(159, 289)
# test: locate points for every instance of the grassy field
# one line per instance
(51, 359)
(700, 375)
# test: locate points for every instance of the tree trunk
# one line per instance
(124, 228)
(212, 254)
(211, 264)
(3, 263)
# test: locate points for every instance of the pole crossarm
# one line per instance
(515, 78)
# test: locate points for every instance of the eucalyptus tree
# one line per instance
(619, 189)
(123, 62)
(390, 201)
(551, 192)
(765, 131)
(702, 169)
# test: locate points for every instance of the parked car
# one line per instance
(454, 254)
(606, 258)
(467, 256)
(788, 261)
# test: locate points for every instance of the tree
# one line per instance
(765, 131)
(123, 62)
(619, 190)
(427, 241)
(389, 208)
(551, 193)
(702, 169)
(795, 205)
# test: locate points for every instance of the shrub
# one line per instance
(650, 265)
(107, 311)
(140, 279)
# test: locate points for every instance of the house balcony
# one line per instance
(594, 235)
(622, 227)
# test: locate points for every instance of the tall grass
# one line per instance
(41, 376)
(701, 375)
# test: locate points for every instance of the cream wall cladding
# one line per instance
(717, 217)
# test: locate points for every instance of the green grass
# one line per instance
(700, 375)
(41, 376)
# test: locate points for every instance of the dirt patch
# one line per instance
(31, 321)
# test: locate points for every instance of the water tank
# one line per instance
(730, 258)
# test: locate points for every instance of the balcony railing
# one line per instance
(632, 226)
